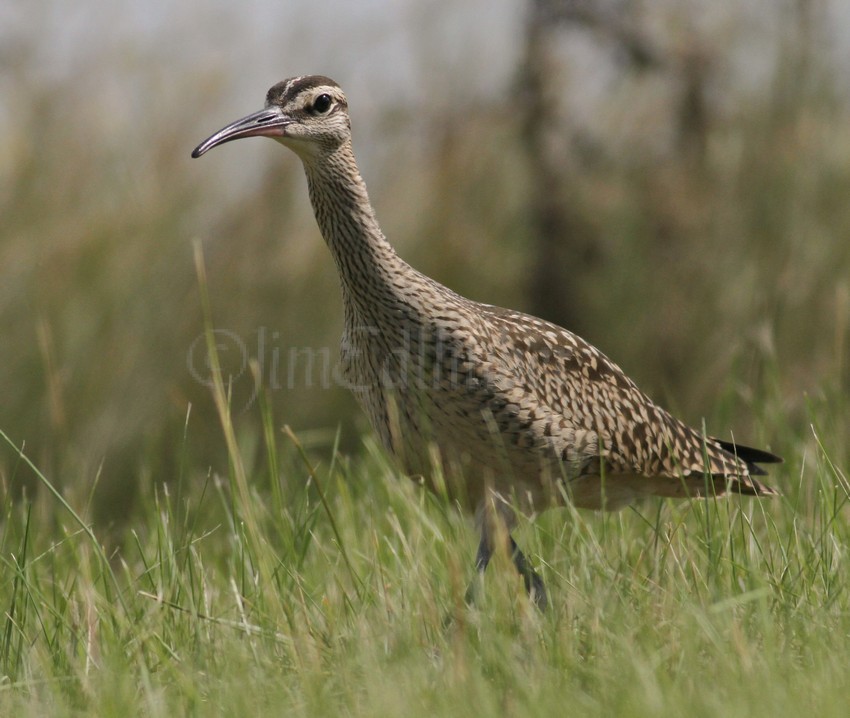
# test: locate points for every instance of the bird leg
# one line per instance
(533, 583)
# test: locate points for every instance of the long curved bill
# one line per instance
(269, 122)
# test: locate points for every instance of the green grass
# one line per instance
(287, 588)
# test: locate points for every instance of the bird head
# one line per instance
(309, 115)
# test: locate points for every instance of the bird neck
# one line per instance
(364, 258)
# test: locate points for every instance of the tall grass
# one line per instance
(339, 589)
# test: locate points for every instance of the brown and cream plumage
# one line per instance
(508, 408)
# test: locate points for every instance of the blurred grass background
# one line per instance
(699, 159)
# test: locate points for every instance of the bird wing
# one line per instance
(590, 403)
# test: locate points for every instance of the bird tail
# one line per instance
(749, 485)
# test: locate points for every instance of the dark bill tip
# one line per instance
(269, 122)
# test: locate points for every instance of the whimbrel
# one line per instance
(499, 408)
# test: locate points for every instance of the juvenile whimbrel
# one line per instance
(510, 409)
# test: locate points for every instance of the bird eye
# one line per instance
(322, 103)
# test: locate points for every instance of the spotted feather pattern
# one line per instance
(494, 398)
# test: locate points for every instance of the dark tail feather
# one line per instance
(752, 458)
(750, 455)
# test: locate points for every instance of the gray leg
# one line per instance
(485, 553)
(533, 582)
(482, 559)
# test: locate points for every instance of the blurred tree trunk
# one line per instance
(566, 244)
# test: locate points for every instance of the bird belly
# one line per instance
(468, 428)
(457, 446)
